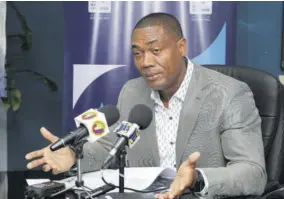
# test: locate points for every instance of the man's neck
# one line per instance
(167, 94)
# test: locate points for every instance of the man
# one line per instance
(206, 124)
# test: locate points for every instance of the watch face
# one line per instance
(199, 184)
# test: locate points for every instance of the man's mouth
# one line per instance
(152, 77)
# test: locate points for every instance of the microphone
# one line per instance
(92, 124)
(140, 118)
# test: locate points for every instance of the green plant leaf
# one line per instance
(52, 85)
(26, 42)
(26, 36)
(15, 99)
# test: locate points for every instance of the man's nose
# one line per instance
(148, 60)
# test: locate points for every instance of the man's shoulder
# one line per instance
(223, 82)
(136, 84)
(135, 91)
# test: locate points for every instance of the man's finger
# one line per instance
(174, 191)
(55, 171)
(191, 160)
(46, 168)
(48, 135)
(161, 196)
(34, 154)
(164, 196)
(36, 163)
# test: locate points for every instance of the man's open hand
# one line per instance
(59, 161)
(185, 177)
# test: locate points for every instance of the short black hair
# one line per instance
(167, 21)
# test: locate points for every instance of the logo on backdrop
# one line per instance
(85, 74)
(99, 9)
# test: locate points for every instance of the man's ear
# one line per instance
(182, 47)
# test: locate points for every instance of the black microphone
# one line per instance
(92, 124)
(140, 118)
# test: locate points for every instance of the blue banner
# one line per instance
(98, 59)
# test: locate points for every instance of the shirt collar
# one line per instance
(181, 92)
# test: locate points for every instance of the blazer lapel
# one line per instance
(152, 136)
(190, 110)
(150, 132)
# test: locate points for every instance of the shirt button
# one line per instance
(170, 117)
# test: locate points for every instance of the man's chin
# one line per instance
(156, 85)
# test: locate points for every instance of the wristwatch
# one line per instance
(199, 184)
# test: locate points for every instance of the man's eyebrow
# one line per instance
(135, 46)
(148, 43)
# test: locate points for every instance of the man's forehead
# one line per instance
(149, 35)
(156, 28)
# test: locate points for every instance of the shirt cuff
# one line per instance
(204, 191)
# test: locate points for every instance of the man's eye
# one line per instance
(156, 51)
(136, 53)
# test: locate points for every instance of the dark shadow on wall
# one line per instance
(40, 107)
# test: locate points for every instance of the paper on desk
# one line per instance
(135, 177)
(36, 181)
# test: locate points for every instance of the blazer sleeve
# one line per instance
(96, 152)
(242, 145)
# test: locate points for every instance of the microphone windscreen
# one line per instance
(141, 115)
(111, 113)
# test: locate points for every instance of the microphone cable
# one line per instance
(162, 190)
(130, 189)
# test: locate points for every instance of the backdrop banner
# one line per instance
(98, 59)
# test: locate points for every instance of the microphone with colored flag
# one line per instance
(128, 132)
(92, 124)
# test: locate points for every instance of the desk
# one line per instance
(17, 182)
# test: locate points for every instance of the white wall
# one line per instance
(3, 114)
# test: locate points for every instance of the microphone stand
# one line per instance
(79, 156)
(78, 146)
(122, 164)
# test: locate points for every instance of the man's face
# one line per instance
(158, 56)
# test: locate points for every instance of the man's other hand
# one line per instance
(58, 161)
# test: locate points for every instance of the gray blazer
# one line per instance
(219, 119)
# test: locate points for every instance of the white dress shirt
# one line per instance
(167, 120)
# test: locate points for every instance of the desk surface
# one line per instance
(14, 184)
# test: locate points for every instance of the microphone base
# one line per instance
(79, 183)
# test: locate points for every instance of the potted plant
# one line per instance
(13, 98)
